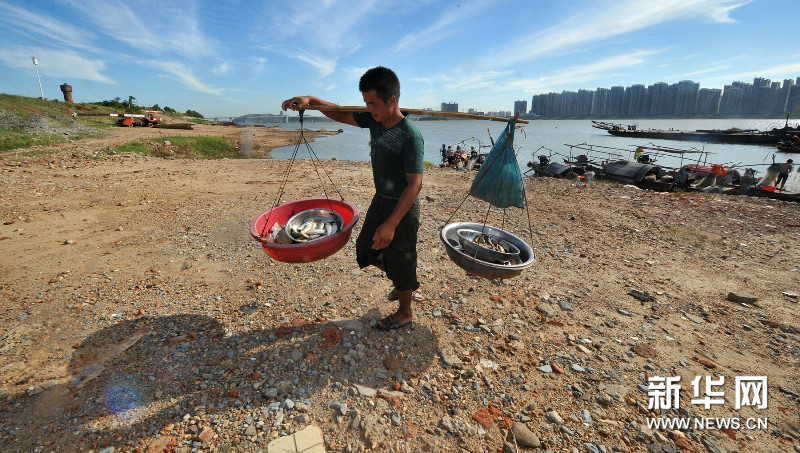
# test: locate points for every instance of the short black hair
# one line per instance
(383, 80)
(789, 161)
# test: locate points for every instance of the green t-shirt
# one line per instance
(393, 153)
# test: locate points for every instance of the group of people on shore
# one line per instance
(460, 157)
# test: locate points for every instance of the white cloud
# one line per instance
(180, 72)
(318, 34)
(581, 73)
(173, 28)
(325, 27)
(774, 72)
(443, 26)
(354, 73)
(609, 20)
(45, 28)
(501, 81)
(222, 68)
(62, 64)
(721, 13)
(325, 66)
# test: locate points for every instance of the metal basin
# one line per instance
(318, 215)
(467, 237)
(452, 244)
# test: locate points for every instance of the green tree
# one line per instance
(168, 109)
(155, 107)
(193, 114)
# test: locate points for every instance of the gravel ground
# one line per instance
(138, 314)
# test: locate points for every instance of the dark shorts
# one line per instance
(399, 259)
(782, 178)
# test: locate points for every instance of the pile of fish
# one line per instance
(314, 229)
(496, 244)
(305, 227)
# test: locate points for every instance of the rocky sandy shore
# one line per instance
(138, 315)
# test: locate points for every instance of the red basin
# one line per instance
(309, 251)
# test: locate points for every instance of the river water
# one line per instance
(352, 144)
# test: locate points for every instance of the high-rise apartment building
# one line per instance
(449, 106)
(520, 108)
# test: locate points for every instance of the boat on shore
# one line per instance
(641, 169)
(790, 145)
(739, 136)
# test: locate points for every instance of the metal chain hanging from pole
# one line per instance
(301, 139)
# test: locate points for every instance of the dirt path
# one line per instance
(138, 312)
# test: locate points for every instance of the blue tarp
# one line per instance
(499, 180)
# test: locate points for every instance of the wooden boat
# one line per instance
(726, 136)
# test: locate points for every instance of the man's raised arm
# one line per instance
(303, 102)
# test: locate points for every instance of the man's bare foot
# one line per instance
(395, 321)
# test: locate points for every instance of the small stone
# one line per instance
(396, 419)
(711, 446)
(584, 349)
(488, 364)
(577, 368)
(405, 388)
(301, 419)
(645, 350)
(546, 310)
(566, 430)
(365, 391)
(790, 295)
(553, 417)
(592, 448)
(565, 305)
(605, 400)
(586, 416)
(624, 312)
(742, 298)
(308, 439)
(339, 407)
(250, 431)
(545, 369)
(694, 318)
(70, 242)
(557, 368)
(107, 450)
(270, 392)
(288, 404)
(525, 436)
(451, 360)
(206, 435)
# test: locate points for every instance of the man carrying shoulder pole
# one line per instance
(388, 238)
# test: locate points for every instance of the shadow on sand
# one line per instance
(128, 381)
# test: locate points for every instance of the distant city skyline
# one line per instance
(763, 97)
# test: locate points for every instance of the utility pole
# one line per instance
(36, 68)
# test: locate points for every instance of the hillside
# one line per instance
(26, 121)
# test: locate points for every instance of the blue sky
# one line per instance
(228, 57)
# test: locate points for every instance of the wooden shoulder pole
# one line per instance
(472, 116)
